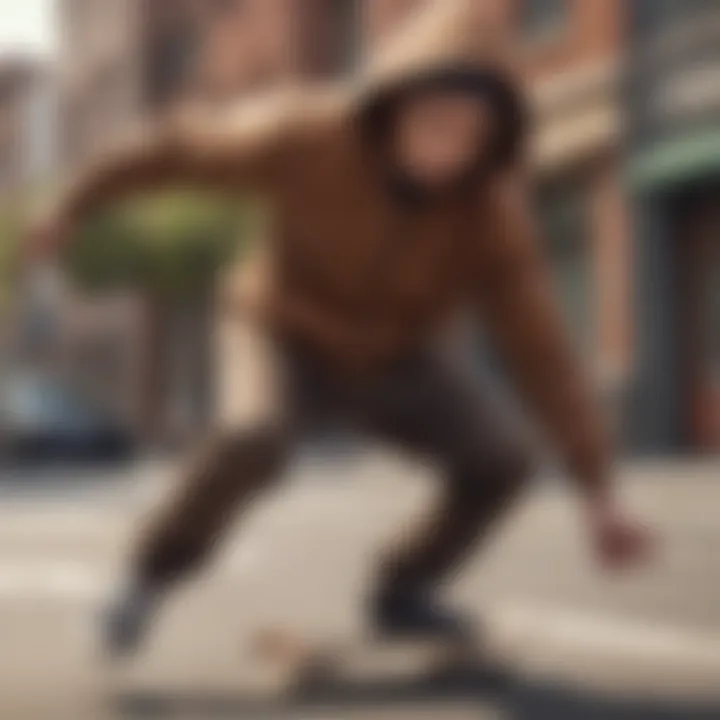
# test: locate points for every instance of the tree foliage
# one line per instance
(171, 246)
(11, 224)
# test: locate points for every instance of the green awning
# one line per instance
(673, 163)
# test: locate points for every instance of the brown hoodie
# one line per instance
(354, 270)
(355, 274)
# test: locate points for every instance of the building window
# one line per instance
(226, 6)
(564, 211)
(347, 34)
(677, 10)
(171, 60)
(544, 18)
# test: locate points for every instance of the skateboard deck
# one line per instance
(307, 662)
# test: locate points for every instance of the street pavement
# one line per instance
(569, 643)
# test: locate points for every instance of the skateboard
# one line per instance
(308, 663)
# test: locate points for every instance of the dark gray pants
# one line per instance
(425, 404)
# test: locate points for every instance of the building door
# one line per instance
(702, 322)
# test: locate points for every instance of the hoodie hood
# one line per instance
(448, 44)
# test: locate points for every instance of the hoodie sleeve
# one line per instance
(524, 320)
(245, 147)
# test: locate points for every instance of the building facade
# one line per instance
(98, 74)
(122, 60)
(573, 59)
(673, 92)
(165, 52)
(28, 129)
(27, 125)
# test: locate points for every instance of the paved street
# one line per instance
(578, 645)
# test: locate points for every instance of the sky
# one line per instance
(26, 26)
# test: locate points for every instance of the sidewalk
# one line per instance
(581, 645)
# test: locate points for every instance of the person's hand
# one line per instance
(620, 542)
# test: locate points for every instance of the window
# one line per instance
(171, 59)
(226, 6)
(347, 33)
(540, 18)
(677, 10)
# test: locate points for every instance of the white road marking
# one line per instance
(610, 636)
(44, 523)
(69, 580)
(242, 558)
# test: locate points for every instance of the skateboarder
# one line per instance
(399, 202)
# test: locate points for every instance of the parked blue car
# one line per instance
(41, 421)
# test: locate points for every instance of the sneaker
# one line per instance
(126, 622)
(417, 615)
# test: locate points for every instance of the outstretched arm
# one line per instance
(524, 318)
(519, 306)
(233, 150)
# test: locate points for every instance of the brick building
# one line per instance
(574, 53)
(14, 79)
(124, 59)
(674, 112)
(151, 54)
(27, 161)
(26, 124)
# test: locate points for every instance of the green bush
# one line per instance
(171, 246)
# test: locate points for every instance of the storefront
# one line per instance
(674, 96)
